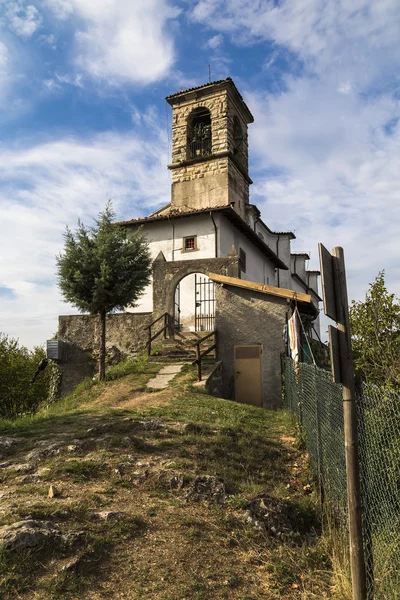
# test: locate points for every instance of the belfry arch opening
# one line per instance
(194, 303)
(199, 134)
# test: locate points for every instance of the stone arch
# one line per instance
(167, 275)
(177, 278)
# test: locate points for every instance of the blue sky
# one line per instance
(83, 119)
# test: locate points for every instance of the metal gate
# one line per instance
(204, 304)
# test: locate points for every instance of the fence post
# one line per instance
(149, 343)
(350, 428)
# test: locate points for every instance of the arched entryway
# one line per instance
(194, 303)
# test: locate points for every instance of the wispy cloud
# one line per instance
(121, 41)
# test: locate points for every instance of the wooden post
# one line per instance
(165, 325)
(198, 361)
(350, 427)
(149, 343)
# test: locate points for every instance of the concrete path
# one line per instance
(163, 377)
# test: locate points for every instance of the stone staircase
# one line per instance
(182, 349)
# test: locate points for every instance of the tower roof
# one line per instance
(207, 88)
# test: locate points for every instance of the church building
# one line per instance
(210, 214)
(219, 272)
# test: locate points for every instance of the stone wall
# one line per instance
(77, 365)
(247, 317)
(124, 331)
(126, 334)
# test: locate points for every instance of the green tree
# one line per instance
(102, 270)
(375, 328)
(17, 367)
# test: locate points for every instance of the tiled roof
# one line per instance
(170, 214)
(200, 87)
(229, 213)
(229, 80)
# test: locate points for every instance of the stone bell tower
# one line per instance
(210, 148)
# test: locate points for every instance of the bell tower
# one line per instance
(209, 165)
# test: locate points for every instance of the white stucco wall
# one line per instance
(162, 237)
(258, 267)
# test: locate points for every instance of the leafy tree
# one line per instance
(102, 270)
(17, 367)
(375, 328)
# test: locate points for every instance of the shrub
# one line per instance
(17, 367)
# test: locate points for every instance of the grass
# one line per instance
(163, 546)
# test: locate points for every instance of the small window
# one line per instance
(190, 243)
(242, 260)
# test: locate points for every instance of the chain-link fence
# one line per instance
(317, 402)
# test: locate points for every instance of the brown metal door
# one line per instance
(248, 374)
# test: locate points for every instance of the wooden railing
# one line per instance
(163, 330)
(200, 355)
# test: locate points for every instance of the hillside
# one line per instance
(167, 495)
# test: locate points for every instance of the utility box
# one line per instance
(55, 350)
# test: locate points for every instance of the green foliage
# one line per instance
(17, 367)
(375, 328)
(101, 269)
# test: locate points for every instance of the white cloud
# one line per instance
(22, 18)
(215, 41)
(345, 87)
(122, 41)
(51, 184)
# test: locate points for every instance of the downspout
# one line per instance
(173, 238)
(216, 234)
(277, 253)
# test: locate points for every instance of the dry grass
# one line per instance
(138, 453)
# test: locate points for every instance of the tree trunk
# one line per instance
(102, 362)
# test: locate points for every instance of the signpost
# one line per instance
(334, 287)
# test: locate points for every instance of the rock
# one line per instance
(38, 454)
(27, 534)
(152, 425)
(206, 487)
(72, 448)
(72, 565)
(109, 515)
(22, 468)
(8, 442)
(42, 472)
(271, 515)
